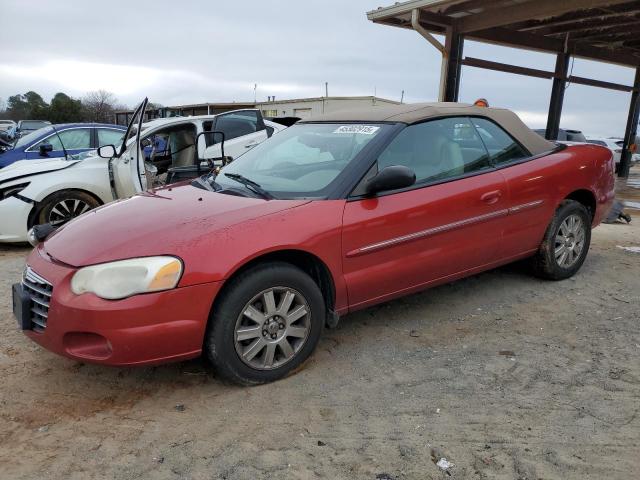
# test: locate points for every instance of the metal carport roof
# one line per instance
(600, 30)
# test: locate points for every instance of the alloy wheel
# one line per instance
(272, 328)
(569, 241)
(67, 209)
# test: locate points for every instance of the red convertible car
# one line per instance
(248, 265)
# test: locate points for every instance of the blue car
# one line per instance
(52, 141)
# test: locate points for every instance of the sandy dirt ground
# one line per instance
(504, 375)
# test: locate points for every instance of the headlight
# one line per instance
(39, 233)
(31, 237)
(7, 192)
(124, 278)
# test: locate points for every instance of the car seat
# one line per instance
(431, 155)
(397, 153)
(183, 144)
(436, 157)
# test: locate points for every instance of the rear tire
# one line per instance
(60, 207)
(266, 323)
(565, 244)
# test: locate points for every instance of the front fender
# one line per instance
(314, 228)
(91, 178)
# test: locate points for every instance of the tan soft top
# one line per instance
(416, 112)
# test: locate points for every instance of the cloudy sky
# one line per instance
(196, 51)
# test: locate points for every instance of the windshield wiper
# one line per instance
(250, 184)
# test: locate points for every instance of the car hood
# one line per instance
(168, 221)
(26, 168)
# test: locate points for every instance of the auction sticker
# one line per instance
(361, 129)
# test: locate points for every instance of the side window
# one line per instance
(252, 116)
(77, 138)
(72, 139)
(437, 149)
(501, 146)
(53, 140)
(107, 136)
(236, 124)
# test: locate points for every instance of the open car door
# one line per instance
(127, 170)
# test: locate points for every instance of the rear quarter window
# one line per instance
(502, 147)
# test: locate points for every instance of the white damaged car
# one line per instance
(34, 192)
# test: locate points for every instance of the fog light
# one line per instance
(87, 345)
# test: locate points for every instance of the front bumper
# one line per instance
(14, 217)
(141, 330)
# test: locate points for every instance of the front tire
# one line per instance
(565, 244)
(266, 323)
(60, 207)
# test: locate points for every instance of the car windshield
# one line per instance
(31, 137)
(302, 160)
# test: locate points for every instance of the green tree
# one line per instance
(64, 109)
(28, 106)
(17, 107)
(3, 109)
(38, 108)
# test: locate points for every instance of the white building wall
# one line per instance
(308, 108)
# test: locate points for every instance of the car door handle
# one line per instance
(249, 145)
(491, 197)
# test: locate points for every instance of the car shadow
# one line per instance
(475, 289)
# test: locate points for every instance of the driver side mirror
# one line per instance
(45, 148)
(392, 177)
(107, 151)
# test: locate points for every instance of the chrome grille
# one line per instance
(39, 290)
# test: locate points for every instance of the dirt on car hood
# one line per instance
(169, 221)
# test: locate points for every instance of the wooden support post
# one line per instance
(557, 96)
(632, 128)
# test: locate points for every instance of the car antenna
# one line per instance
(66, 155)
